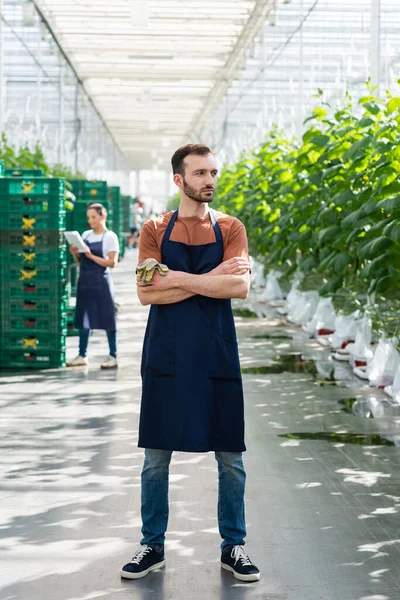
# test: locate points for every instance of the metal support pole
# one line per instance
(138, 185)
(39, 85)
(300, 99)
(3, 88)
(61, 110)
(375, 44)
(77, 128)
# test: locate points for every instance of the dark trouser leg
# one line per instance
(84, 335)
(112, 342)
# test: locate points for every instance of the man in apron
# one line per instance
(190, 352)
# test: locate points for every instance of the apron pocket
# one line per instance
(224, 359)
(160, 353)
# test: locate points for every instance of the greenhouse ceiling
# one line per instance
(155, 70)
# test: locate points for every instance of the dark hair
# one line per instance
(99, 208)
(178, 165)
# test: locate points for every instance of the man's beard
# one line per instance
(195, 195)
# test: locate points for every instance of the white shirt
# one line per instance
(109, 238)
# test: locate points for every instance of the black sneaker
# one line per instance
(238, 562)
(146, 559)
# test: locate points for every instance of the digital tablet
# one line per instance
(74, 239)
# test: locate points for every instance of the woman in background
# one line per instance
(95, 307)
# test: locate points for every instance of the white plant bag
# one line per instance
(361, 350)
(345, 330)
(305, 307)
(293, 295)
(394, 390)
(323, 318)
(257, 274)
(383, 366)
(272, 288)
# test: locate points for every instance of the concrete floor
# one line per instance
(322, 511)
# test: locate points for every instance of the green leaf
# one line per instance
(308, 264)
(343, 198)
(320, 140)
(393, 104)
(358, 148)
(366, 122)
(392, 231)
(331, 286)
(383, 284)
(328, 261)
(353, 219)
(390, 204)
(328, 234)
(373, 108)
(375, 247)
(369, 207)
(328, 215)
(370, 270)
(320, 113)
(341, 262)
(332, 172)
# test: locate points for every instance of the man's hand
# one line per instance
(159, 283)
(233, 266)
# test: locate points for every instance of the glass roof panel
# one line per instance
(157, 78)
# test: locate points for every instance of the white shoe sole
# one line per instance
(254, 577)
(341, 357)
(127, 575)
(80, 365)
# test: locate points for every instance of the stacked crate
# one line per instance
(86, 192)
(23, 173)
(32, 273)
(127, 202)
(115, 199)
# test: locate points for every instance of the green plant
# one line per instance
(328, 204)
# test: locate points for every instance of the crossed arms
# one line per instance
(229, 280)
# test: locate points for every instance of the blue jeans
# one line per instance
(84, 335)
(231, 489)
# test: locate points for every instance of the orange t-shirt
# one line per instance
(193, 231)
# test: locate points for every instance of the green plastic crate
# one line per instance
(32, 308)
(32, 325)
(71, 331)
(24, 173)
(91, 191)
(52, 290)
(33, 204)
(34, 274)
(32, 239)
(26, 221)
(20, 359)
(27, 187)
(33, 342)
(34, 257)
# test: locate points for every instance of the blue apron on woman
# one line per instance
(94, 296)
(192, 398)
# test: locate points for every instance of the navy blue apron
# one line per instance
(192, 397)
(94, 295)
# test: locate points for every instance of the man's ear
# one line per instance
(178, 180)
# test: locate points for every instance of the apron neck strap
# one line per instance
(217, 230)
(170, 226)
(216, 227)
